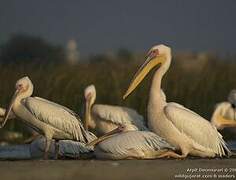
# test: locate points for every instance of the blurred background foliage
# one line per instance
(196, 80)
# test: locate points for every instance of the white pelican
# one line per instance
(225, 113)
(35, 150)
(50, 119)
(181, 127)
(120, 144)
(105, 118)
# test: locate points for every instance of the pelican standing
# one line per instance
(181, 127)
(225, 113)
(50, 119)
(121, 144)
(105, 118)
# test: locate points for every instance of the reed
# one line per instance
(198, 88)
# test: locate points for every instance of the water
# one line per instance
(232, 145)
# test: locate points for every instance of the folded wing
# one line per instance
(197, 128)
(119, 115)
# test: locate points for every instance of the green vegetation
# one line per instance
(198, 81)
(196, 88)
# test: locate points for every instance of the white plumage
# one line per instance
(132, 145)
(105, 118)
(181, 127)
(224, 116)
(52, 120)
(60, 118)
(186, 120)
(120, 116)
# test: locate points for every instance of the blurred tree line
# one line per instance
(198, 81)
(22, 48)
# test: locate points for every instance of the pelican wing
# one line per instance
(55, 104)
(122, 144)
(182, 107)
(197, 128)
(73, 149)
(119, 115)
(57, 116)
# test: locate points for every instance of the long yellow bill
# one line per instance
(8, 110)
(147, 66)
(223, 122)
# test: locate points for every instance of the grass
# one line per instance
(198, 88)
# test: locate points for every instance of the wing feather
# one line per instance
(197, 128)
(119, 115)
(121, 144)
(57, 116)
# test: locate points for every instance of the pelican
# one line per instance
(105, 118)
(121, 144)
(50, 119)
(181, 127)
(225, 113)
(35, 150)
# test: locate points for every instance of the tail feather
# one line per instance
(223, 149)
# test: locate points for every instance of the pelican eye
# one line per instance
(19, 86)
(155, 51)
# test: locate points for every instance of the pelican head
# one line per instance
(156, 55)
(90, 94)
(24, 89)
(232, 98)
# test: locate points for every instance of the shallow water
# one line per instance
(232, 145)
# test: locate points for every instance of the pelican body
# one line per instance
(225, 113)
(47, 118)
(35, 150)
(181, 127)
(105, 118)
(132, 145)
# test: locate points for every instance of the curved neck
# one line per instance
(156, 94)
(24, 94)
(89, 104)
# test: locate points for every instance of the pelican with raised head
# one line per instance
(105, 118)
(48, 118)
(181, 127)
